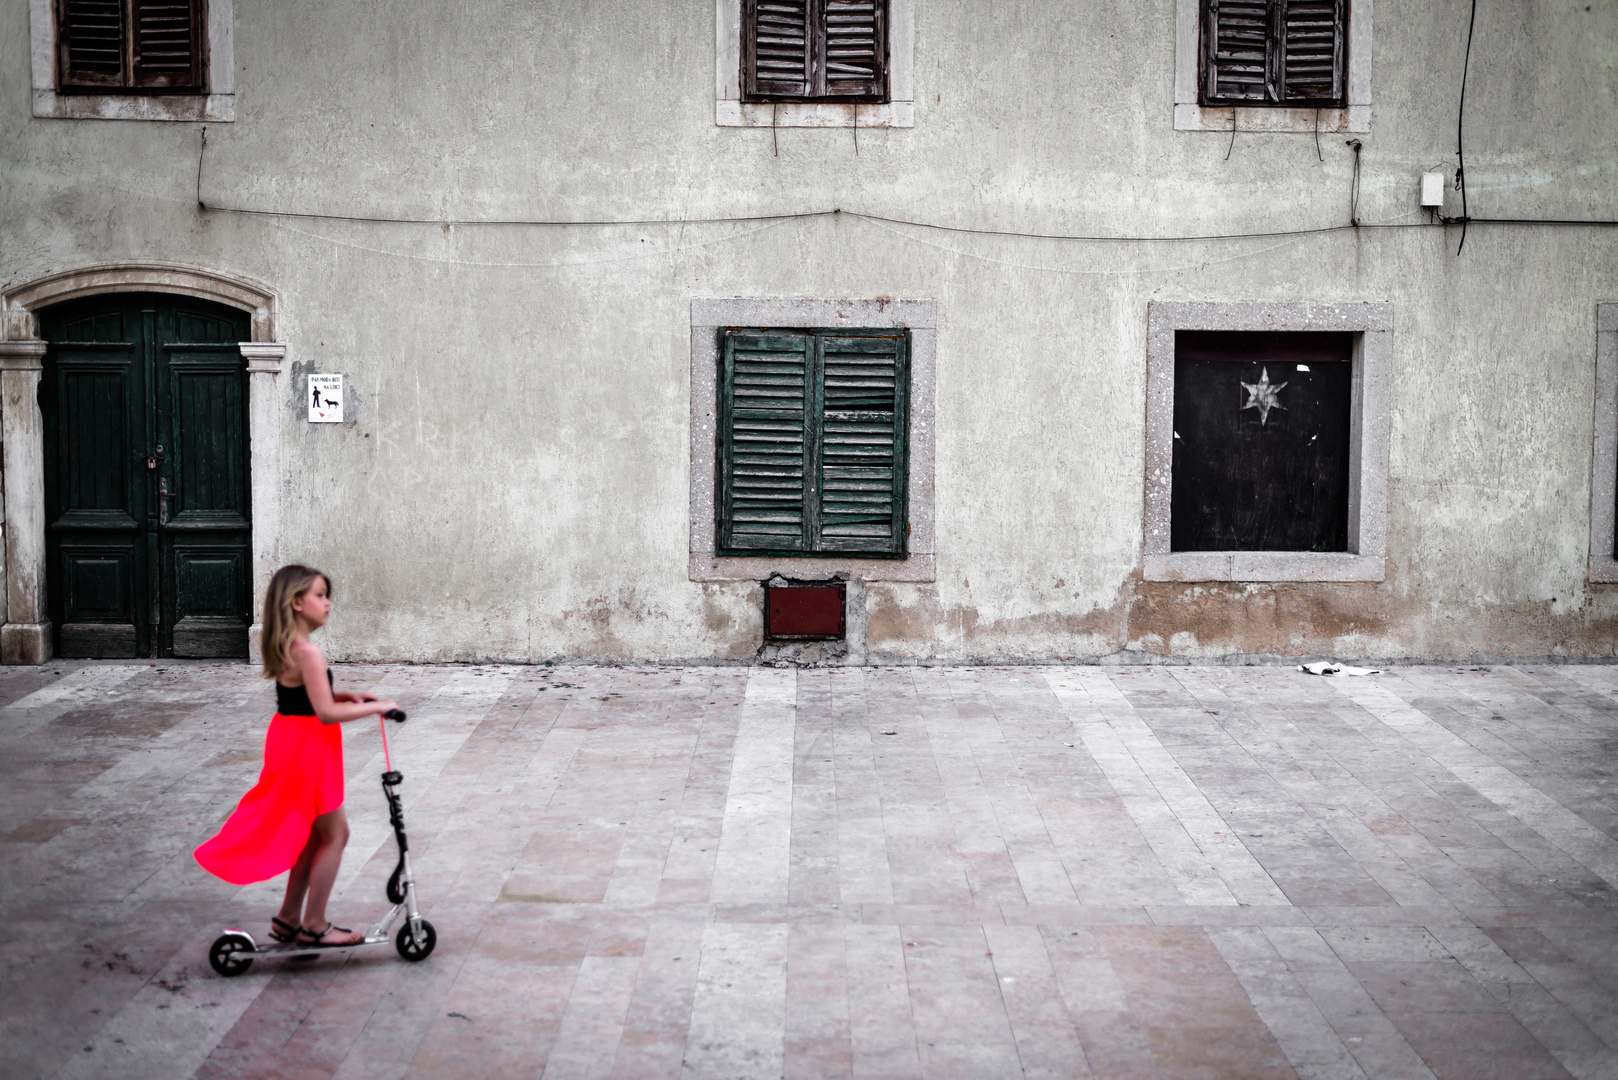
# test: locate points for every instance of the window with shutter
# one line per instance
(131, 46)
(1274, 52)
(812, 454)
(815, 50)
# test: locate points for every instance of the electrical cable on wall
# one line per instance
(1460, 121)
(1354, 223)
(1354, 185)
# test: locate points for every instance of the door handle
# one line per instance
(163, 495)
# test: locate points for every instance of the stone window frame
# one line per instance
(708, 318)
(1370, 407)
(218, 105)
(1190, 115)
(899, 111)
(1603, 567)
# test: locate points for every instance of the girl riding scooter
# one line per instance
(293, 817)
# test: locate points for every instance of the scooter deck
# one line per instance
(288, 951)
(285, 951)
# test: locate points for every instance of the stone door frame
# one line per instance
(25, 636)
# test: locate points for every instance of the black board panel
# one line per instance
(1250, 479)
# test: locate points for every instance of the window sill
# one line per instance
(709, 567)
(814, 114)
(215, 108)
(1192, 117)
(1264, 566)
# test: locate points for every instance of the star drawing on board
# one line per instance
(1263, 395)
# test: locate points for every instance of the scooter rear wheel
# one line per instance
(224, 956)
(416, 948)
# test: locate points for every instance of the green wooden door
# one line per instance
(146, 477)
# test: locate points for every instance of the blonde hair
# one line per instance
(280, 622)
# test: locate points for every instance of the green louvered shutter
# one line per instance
(864, 411)
(765, 436)
(812, 442)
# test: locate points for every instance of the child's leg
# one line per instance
(332, 831)
(291, 911)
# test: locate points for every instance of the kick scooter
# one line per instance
(234, 951)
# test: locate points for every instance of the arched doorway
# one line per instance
(27, 634)
(144, 400)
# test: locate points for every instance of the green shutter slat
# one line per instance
(763, 442)
(864, 418)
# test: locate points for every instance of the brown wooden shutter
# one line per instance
(1276, 52)
(815, 50)
(132, 45)
(776, 47)
(1312, 51)
(90, 38)
(168, 43)
(1236, 49)
(856, 49)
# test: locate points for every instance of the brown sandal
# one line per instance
(317, 938)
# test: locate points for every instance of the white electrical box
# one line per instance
(1432, 189)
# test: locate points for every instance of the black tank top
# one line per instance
(294, 700)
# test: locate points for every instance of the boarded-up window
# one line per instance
(1274, 52)
(1261, 441)
(815, 50)
(131, 46)
(812, 442)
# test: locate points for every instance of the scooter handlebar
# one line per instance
(396, 715)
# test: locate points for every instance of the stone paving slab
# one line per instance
(1183, 873)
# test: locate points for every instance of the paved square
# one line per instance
(943, 872)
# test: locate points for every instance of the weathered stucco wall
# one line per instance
(512, 478)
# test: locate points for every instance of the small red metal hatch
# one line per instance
(803, 611)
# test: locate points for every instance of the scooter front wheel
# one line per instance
(225, 955)
(416, 947)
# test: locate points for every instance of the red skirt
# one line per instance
(302, 779)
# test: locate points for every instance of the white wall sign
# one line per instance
(325, 398)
